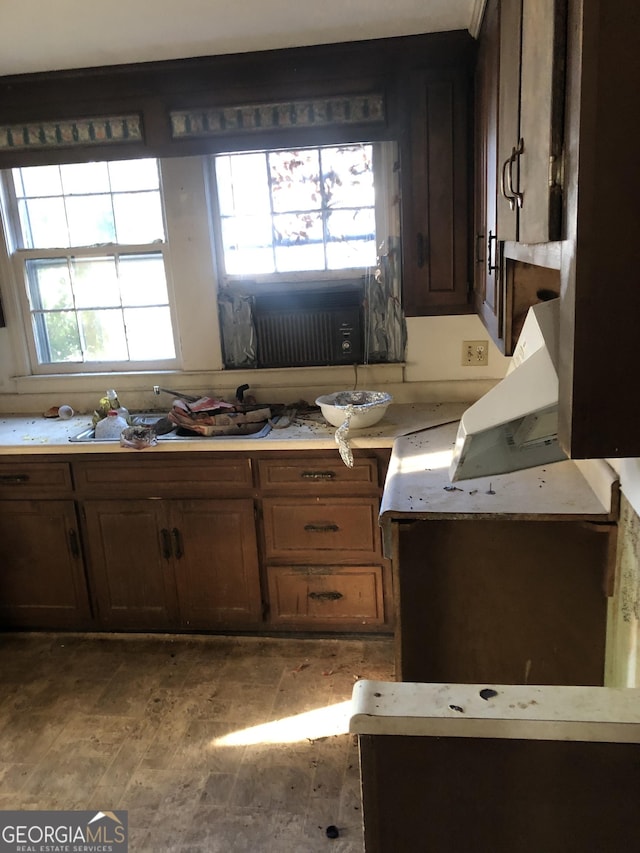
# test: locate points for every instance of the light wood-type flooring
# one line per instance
(210, 743)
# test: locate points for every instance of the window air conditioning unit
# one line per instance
(305, 329)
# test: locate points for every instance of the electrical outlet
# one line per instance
(475, 353)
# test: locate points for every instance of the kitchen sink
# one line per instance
(259, 430)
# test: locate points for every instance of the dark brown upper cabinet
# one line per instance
(436, 194)
(530, 124)
(488, 295)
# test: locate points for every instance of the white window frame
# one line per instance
(17, 256)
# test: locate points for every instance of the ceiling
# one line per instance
(47, 36)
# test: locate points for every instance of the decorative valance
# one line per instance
(67, 133)
(279, 115)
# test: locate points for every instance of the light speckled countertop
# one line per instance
(418, 486)
(504, 711)
(34, 434)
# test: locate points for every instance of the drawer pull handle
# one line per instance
(318, 475)
(14, 478)
(177, 539)
(166, 543)
(322, 528)
(325, 596)
(73, 543)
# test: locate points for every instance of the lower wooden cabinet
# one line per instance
(300, 527)
(42, 582)
(273, 541)
(348, 597)
(323, 551)
(174, 564)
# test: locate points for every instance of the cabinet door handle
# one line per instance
(166, 543)
(325, 596)
(177, 541)
(515, 155)
(479, 242)
(491, 267)
(321, 528)
(73, 543)
(14, 478)
(318, 475)
(506, 178)
(420, 250)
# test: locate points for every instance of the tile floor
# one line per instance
(138, 723)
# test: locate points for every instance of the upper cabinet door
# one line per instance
(436, 195)
(508, 115)
(487, 292)
(532, 71)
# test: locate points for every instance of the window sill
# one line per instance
(220, 381)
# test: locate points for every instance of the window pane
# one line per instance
(138, 217)
(243, 186)
(347, 174)
(149, 333)
(295, 180)
(305, 258)
(44, 223)
(95, 283)
(351, 225)
(293, 229)
(247, 242)
(351, 238)
(299, 242)
(90, 220)
(142, 280)
(57, 337)
(103, 335)
(49, 284)
(129, 175)
(85, 178)
(39, 180)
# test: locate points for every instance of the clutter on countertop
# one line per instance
(65, 412)
(352, 410)
(306, 429)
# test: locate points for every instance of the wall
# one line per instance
(432, 371)
(623, 640)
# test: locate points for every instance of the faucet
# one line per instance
(188, 397)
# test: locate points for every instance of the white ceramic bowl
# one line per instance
(369, 407)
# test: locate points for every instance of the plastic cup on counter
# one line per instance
(65, 412)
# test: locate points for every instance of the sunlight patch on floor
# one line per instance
(311, 725)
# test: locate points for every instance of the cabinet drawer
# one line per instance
(154, 476)
(326, 596)
(26, 479)
(318, 476)
(348, 526)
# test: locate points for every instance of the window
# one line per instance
(89, 244)
(298, 213)
(308, 255)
